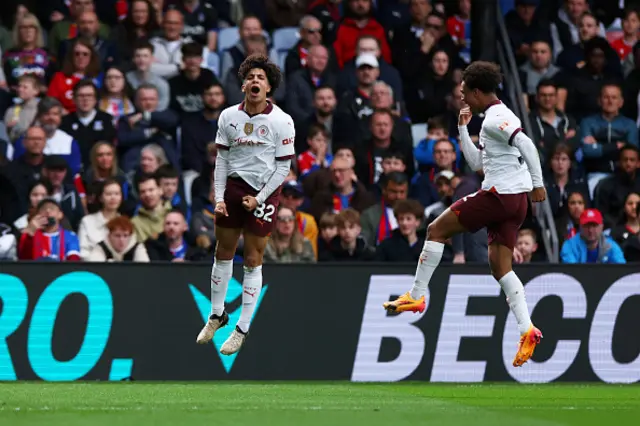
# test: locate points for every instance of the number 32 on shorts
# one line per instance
(264, 212)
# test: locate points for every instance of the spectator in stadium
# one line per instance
(358, 21)
(329, 13)
(391, 162)
(527, 245)
(538, 67)
(174, 244)
(414, 49)
(327, 231)
(103, 166)
(200, 22)
(469, 247)
(120, 245)
(287, 244)
(81, 62)
(203, 224)
(167, 48)
(627, 228)
(317, 156)
(324, 105)
(143, 74)
(282, 14)
(566, 26)
(38, 191)
(69, 28)
(171, 185)
(348, 77)
(310, 35)
(116, 95)
(88, 28)
(343, 191)
(186, 88)
(152, 157)
(20, 117)
(27, 168)
(54, 171)
(406, 241)
(572, 58)
(604, 134)
(198, 130)
(302, 84)
(580, 91)
(292, 197)
(87, 125)
(444, 159)
(428, 96)
(370, 152)
(148, 222)
(93, 227)
(348, 245)
(379, 221)
(562, 179)
(591, 245)
(140, 23)
(355, 104)
(148, 125)
(550, 126)
(611, 192)
(445, 182)
(630, 28)
(249, 27)
(568, 226)
(57, 142)
(28, 56)
(526, 23)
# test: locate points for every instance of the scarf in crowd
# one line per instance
(384, 227)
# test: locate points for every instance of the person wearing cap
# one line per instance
(45, 239)
(358, 21)
(445, 182)
(292, 197)
(591, 245)
(55, 171)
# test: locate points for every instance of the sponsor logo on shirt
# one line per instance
(287, 141)
(247, 142)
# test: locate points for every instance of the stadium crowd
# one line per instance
(110, 114)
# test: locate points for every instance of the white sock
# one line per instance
(221, 274)
(514, 290)
(251, 287)
(429, 261)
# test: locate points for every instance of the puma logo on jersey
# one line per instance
(235, 126)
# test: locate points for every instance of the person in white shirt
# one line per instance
(255, 148)
(93, 227)
(511, 166)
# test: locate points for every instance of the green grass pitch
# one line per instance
(326, 404)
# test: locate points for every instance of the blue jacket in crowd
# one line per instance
(602, 156)
(575, 250)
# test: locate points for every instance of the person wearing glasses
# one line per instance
(287, 244)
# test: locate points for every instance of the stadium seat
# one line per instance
(213, 63)
(227, 38)
(187, 178)
(418, 133)
(285, 38)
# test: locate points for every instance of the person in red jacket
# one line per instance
(81, 62)
(358, 22)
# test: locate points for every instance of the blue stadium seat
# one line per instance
(285, 38)
(213, 63)
(227, 37)
(418, 133)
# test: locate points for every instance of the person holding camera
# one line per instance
(44, 238)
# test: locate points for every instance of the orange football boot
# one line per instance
(528, 342)
(405, 303)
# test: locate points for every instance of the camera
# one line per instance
(51, 221)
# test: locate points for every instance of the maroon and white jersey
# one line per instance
(255, 143)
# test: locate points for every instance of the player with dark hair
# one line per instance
(511, 166)
(255, 148)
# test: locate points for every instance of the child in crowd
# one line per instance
(527, 244)
(169, 179)
(316, 156)
(630, 27)
(19, 117)
(348, 245)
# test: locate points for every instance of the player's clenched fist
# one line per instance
(249, 203)
(538, 194)
(221, 209)
(465, 116)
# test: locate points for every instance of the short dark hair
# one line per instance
(409, 206)
(145, 177)
(143, 43)
(445, 140)
(211, 85)
(546, 82)
(177, 211)
(629, 11)
(437, 122)
(46, 201)
(316, 128)
(167, 171)
(87, 82)
(561, 148)
(397, 178)
(322, 87)
(47, 104)
(483, 76)
(274, 75)
(348, 215)
(595, 43)
(394, 154)
(191, 49)
(629, 147)
(438, 15)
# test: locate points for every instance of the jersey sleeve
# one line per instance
(285, 149)
(503, 127)
(222, 139)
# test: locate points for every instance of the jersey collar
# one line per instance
(267, 110)
(496, 102)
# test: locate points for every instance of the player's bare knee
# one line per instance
(253, 260)
(434, 233)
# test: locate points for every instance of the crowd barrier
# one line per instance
(139, 322)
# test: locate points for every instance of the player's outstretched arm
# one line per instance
(530, 154)
(276, 179)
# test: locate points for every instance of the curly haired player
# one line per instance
(512, 169)
(255, 148)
